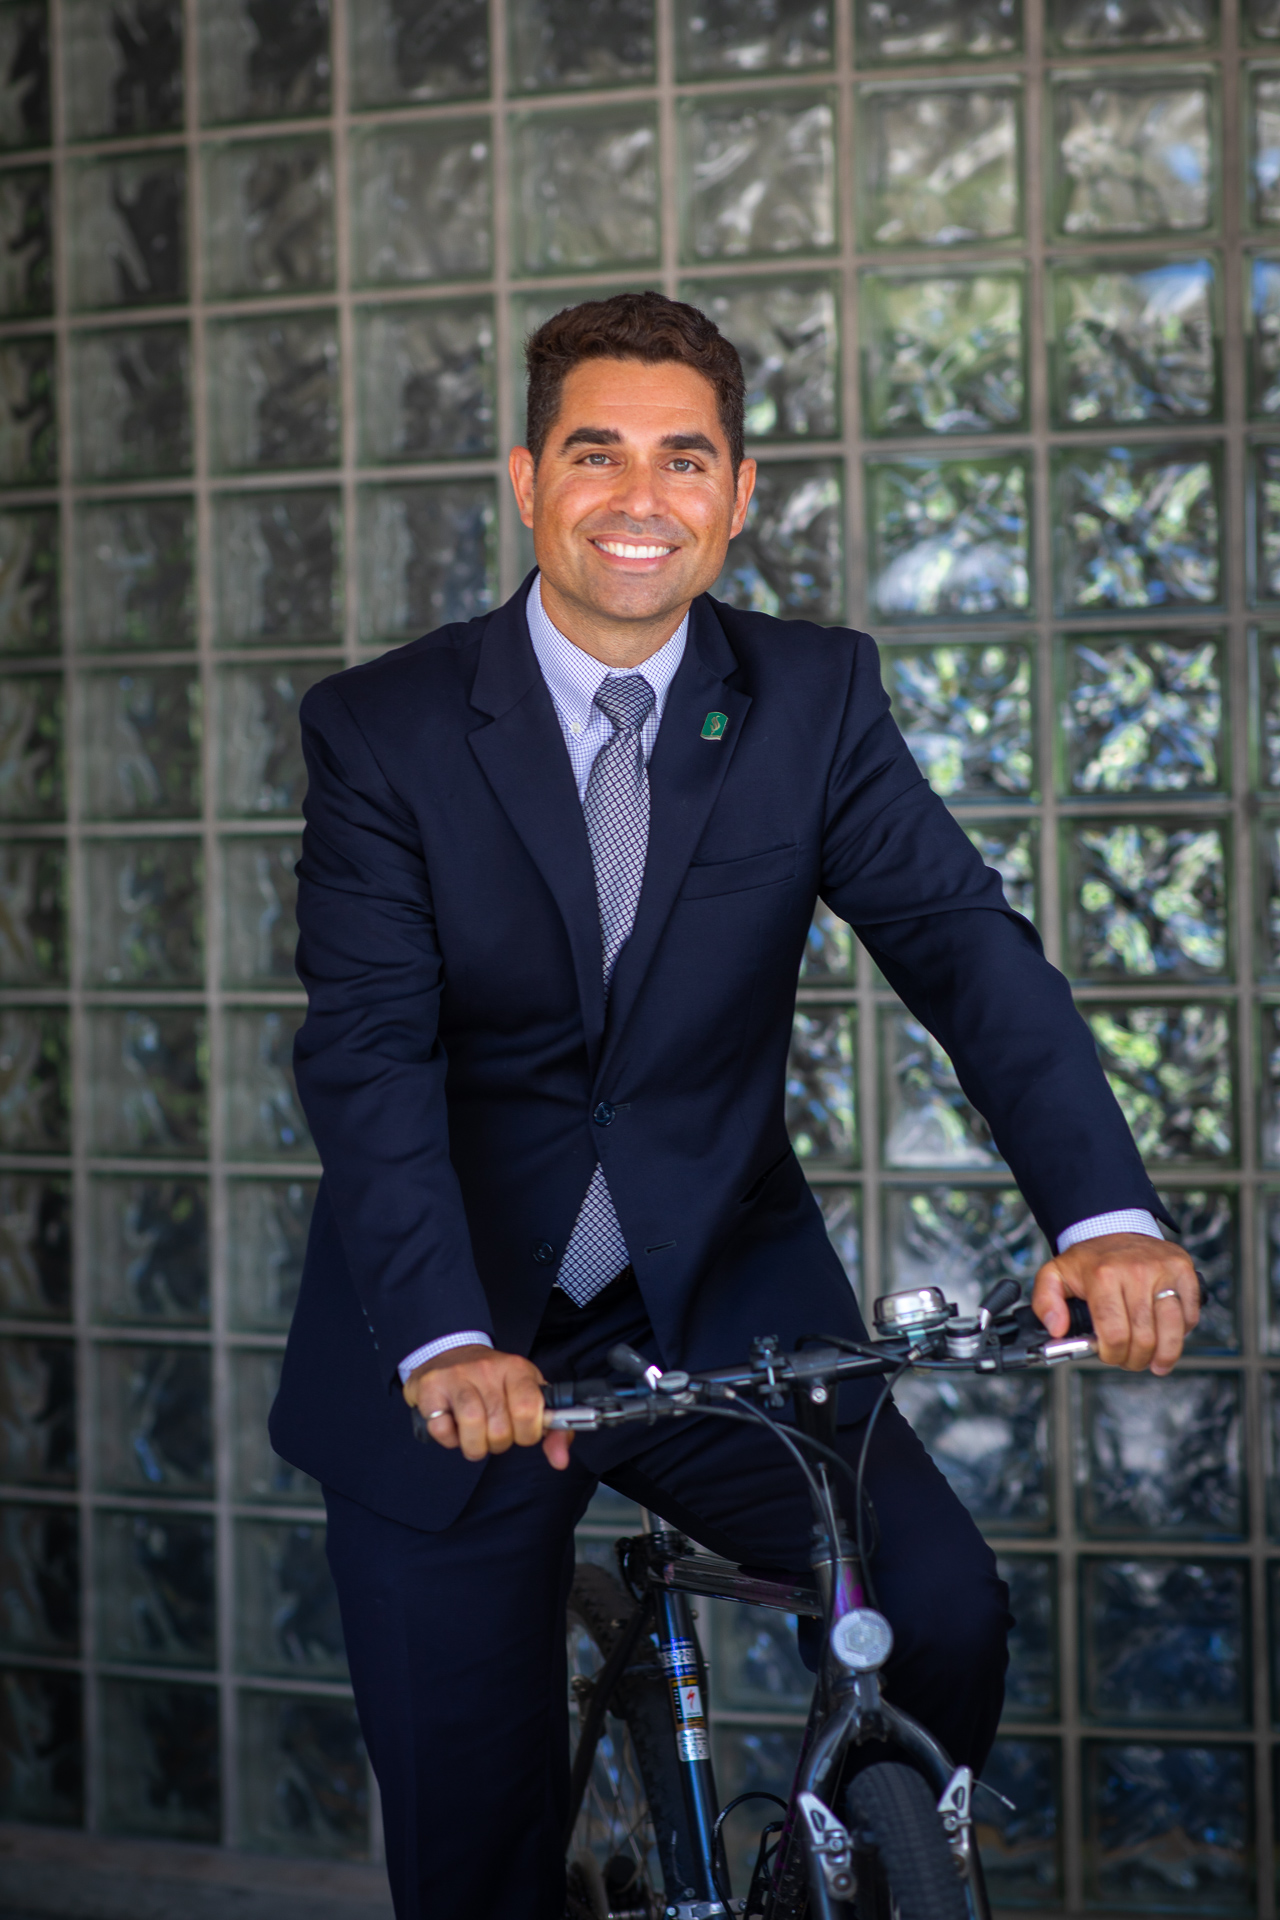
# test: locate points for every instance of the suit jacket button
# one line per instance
(544, 1253)
(603, 1114)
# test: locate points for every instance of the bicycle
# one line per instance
(889, 1840)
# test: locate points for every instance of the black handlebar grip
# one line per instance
(1005, 1294)
(1081, 1318)
(625, 1359)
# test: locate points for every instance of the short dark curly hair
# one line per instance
(630, 326)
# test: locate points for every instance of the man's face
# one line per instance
(634, 501)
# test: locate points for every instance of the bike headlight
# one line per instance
(862, 1640)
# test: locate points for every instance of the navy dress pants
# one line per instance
(456, 1639)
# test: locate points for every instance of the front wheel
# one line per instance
(898, 1835)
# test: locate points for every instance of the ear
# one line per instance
(521, 468)
(745, 486)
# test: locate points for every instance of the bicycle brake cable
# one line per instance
(868, 1580)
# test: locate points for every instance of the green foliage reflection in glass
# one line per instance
(948, 538)
(1142, 714)
(966, 715)
(1136, 527)
(1145, 900)
(943, 355)
(939, 165)
(1170, 1069)
(1133, 153)
(1134, 344)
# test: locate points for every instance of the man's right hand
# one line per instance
(484, 1402)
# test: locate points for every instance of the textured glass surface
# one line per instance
(34, 1081)
(145, 909)
(263, 1116)
(889, 31)
(28, 425)
(962, 1239)
(1161, 1457)
(35, 1247)
(134, 574)
(1165, 1640)
(149, 1251)
(927, 1120)
(422, 199)
(426, 381)
(942, 354)
(269, 216)
(949, 538)
(275, 393)
(1135, 344)
(842, 1216)
(1089, 25)
(305, 1776)
(39, 1580)
(755, 1666)
(401, 51)
(163, 1777)
(260, 1474)
(24, 76)
(788, 559)
(1020, 1843)
(263, 59)
(132, 391)
(26, 237)
(260, 748)
(31, 767)
(1207, 1225)
(33, 910)
(787, 336)
(829, 950)
(1269, 1022)
(1133, 153)
(584, 189)
(1009, 847)
(427, 555)
(155, 1421)
(1136, 527)
(1142, 715)
(123, 66)
(738, 38)
(821, 1115)
(147, 1080)
(41, 1756)
(1265, 557)
(759, 175)
(260, 889)
(279, 567)
(155, 1585)
(991, 1439)
(1262, 19)
(29, 614)
(267, 1224)
(1031, 1684)
(287, 1606)
(140, 753)
(1145, 901)
(580, 43)
(1170, 1069)
(966, 716)
(37, 1413)
(939, 165)
(1262, 343)
(129, 222)
(1169, 1827)
(1265, 158)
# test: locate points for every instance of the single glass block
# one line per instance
(31, 715)
(135, 574)
(269, 216)
(789, 558)
(584, 189)
(264, 1118)
(1169, 1827)
(41, 1750)
(149, 1251)
(1133, 152)
(148, 1073)
(939, 165)
(401, 51)
(1269, 1102)
(28, 414)
(428, 555)
(787, 336)
(739, 38)
(1136, 527)
(127, 222)
(287, 1618)
(1031, 1684)
(33, 914)
(1170, 1067)
(943, 354)
(842, 1217)
(35, 1081)
(26, 238)
(304, 1777)
(276, 389)
(40, 1580)
(262, 769)
(1262, 343)
(1261, 18)
(38, 1413)
(821, 1099)
(752, 1760)
(263, 61)
(145, 903)
(35, 1247)
(421, 202)
(267, 1226)
(260, 892)
(829, 955)
(966, 715)
(962, 1239)
(29, 566)
(1144, 901)
(426, 380)
(279, 567)
(1019, 1841)
(156, 1589)
(1142, 715)
(927, 1120)
(580, 43)
(755, 1666)
(949, 538)
(1265, 557)
(122, 64)
(1092, 25)
(160, 1760)
(1166, 1640)
(132, 390)
(990, 1437)
(261, 1476)
(155, 1421)
(1135, 344)
(141, 744)
(1206, 1223)
(1009, 847)
(24, 76)
(1267, 831)
(1264, 172)
(760, 175)
(892, 31)
(1160, 1457)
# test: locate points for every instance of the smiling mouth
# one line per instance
(633, 549)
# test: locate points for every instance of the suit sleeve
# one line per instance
(370, 1065)
(902, 872)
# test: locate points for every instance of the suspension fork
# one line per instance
(685, 1668)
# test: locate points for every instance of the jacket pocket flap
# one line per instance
(733, 876)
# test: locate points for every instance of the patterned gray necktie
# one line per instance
(616, 807)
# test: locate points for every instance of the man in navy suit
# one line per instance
(558, 870)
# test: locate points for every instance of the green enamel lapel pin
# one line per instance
(714, 725)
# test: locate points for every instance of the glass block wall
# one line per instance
(1006, 279)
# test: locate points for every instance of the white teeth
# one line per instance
(625, 550)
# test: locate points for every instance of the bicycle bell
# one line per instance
(862, 1640)
(917, 1312)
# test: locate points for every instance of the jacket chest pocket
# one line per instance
(735, 876)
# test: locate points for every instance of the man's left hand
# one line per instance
(1121, 1275)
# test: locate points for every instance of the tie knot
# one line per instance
(625, 698)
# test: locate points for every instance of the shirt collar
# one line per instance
(573, 677)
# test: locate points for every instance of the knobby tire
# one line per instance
(892, 1807)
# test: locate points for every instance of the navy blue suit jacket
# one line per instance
(458, 1055)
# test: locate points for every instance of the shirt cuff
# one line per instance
(1127, 1220)
(420, 1355)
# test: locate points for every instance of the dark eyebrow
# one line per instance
(690, 443)
(592, 437)
(610, 437)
